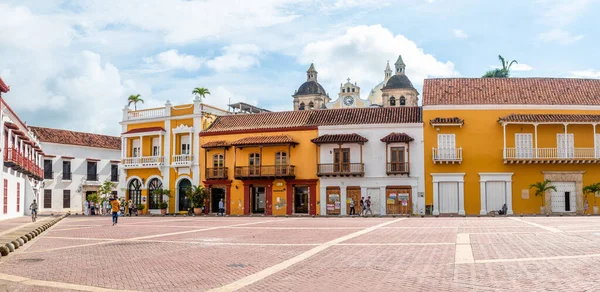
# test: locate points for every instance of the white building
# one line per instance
(384, 161)
(21, 161)
(75, 165)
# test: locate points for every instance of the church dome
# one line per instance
(310, 87)
(375, 96)
(398, 81)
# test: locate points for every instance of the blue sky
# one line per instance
(72, 64)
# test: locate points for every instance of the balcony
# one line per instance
(265, 171)
(67, 176)
(146, 114)
(447, 155)
(182, 160)
(397, 168)
(551, 155)
(48, 175)
(143, 162)
(216, 173)
(341, 169)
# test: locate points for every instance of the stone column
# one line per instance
(343, 201)
(436, 203)
(509, 204)
(323, 199)
(461, 198)
(482, 197)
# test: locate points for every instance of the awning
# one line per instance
(340, 138)
(453, 121)
(549, 118)
(115, 161)
(264, 140)
(11, 126)
(215, 144)
(397, 138)
(67, 157)
(145, 130)
(92, 159)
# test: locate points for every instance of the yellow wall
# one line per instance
(481, 138)
(180, 110)
(303, 157)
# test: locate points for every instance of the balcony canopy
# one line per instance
(264, 140)
(144, 130)
(216, 144)
(453, 121)
(340, 138)
(549, 119)
(397, 138)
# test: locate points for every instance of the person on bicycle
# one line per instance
(33, 207)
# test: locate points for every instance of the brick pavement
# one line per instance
(309, 254)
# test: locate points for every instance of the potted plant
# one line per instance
(164, 195)
(540, 190)
(197, 196)
(592, 189)
(140, 209)
(163, 205)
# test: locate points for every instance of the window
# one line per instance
(114, 172)
(254, 163)
(398, 159)
(66, 199)
(341, 160)
(566, 147)
(18, 197)
(218, 160)
(135, 148)
(311, 105)
(155, 184)
(446, 146)
(5, 196)
(155, 146)
(47, 169)
(524, 145)
(402, 100)
(301, 107)
(185, 145)
(353, 89)
(281, 163)
(392, 101)
(135, 192)
(47, 199)
(343, 90)
(66, 170)
(92, 174)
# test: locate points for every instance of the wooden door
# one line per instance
(398, 201)
(353, 193)
(341, 160)
(333, 204)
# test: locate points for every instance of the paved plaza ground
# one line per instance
(309, 254)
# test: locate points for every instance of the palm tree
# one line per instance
(197, 195)
(504, 72)
(542, 188)
(134, 99)
(201, 92)
(592, 189)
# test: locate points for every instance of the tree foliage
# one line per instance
(541, 188)
(134, 99)
(503, 72)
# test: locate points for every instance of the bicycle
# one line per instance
(33, 215)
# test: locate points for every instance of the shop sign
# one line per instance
(337, 205)
(330, 207)
(334, 197)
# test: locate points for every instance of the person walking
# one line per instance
(105, 207)
(352, 211)
(368, 206)
(114, 203)
(33, 207)
(130, 207)
(86, 205)
(221, 208)
(361, 205)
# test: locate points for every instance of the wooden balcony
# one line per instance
(447, 155)
(341, 169)
(551, 155)
(265, 171)
(216, 173)
(394, 168)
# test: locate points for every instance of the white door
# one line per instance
(448, 197)
(565, 150)
(135, 150)
(155, 146)
(375, 200)
(564, 199)
(185, 145)
(524, 145)
(495, 195)
(446, 146)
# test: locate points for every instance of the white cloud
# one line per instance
(559, 13)
(589, 73)
(236, 57)
(172, 59)
(361, 54)
(560, 36)
(347, 4)
(521, 67)
(459, 33)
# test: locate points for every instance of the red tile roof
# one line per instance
(115, 161)
(76, 138)
(453, 120)
(93, 159)
(67, 157)
(216, 144)
(3, 87)
(550, 118)
(11, 125)
(264, 140)
(526, 91)
(339, 138)
(315, 118)
(397, 138)
(145, 130)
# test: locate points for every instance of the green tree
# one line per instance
(106, 188)
(201, 92)
(541, 188)
(592, 189)
(503, 72)
(134, 99)
(197, 195)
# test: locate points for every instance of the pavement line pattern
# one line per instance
(51, 284)
(398, 244)
(248, 280)
(538, 259)
(551, 229)
(463, 253)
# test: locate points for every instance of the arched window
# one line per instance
(182, 189)
(281, 163)
(392, 101)
(402, 100)
(155, 184)
(301, 107)
(254, 164)
(135, 191)
(311, 105)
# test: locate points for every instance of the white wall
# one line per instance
(375, 162)
(78, 174)
(12, 178)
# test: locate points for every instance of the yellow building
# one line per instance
(160, 151)
(487, 140)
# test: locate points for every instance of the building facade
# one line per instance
(76, 164)
(488, 139)
(311, 95)
(21, 159)
(160, 151)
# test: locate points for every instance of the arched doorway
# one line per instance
(183, 200)
(135, 192)
(155, 184)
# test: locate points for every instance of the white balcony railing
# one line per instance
(551, 153)
(447, 155)
(183, 159)
(141, 162)
(146, 114)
